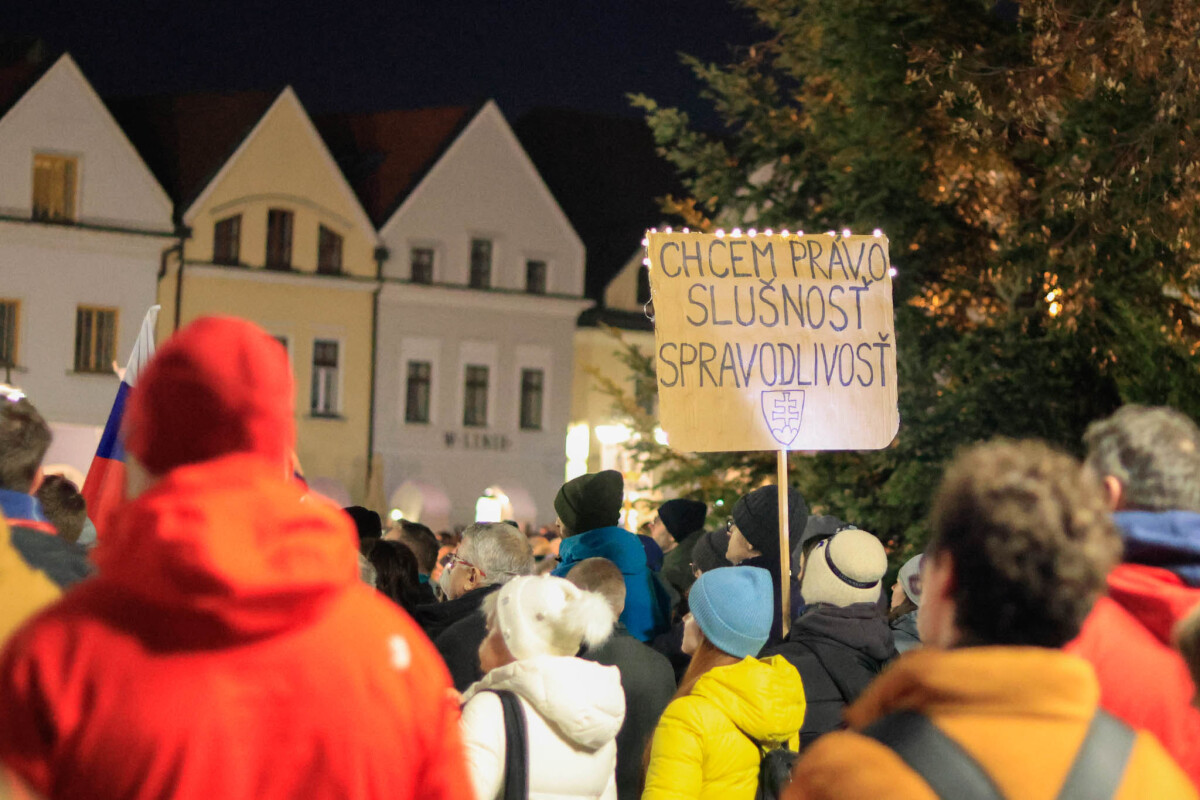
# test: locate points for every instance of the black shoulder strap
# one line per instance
(844, 656)
(1100, 763)
(516, 747)
(948, 769)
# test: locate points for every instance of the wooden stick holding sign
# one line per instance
(774, 341)
(785, 543)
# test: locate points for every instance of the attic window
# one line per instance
(54, 180)
(329, 252)
(279, 239)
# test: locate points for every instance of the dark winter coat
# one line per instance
(677, 564)
(771, 564)
(459, 646)
(39, 544)
(649, 683)
(435, 618)
(904, 632)
(837, 652)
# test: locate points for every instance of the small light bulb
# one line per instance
(687, 230)
(752, 232)
(877, 233)
(654, 230)
(891, 272)
(646, 242)
(736, 232)
(768, 232)
(667, 229)
(646, 261)
(846, 233)
(799, 233)
(832, 233)
(720, 233)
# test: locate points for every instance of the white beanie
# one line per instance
(844, 569)
(545, 615)
(910, 578)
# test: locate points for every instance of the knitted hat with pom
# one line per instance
(734, 607)
(544, 615)
(844, 569)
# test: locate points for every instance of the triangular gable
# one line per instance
(385, 154)
(490, 115)
(65, 69)
(286, 99)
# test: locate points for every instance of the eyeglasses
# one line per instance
(455, 558)
(729, 525)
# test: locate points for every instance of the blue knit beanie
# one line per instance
(734, 608)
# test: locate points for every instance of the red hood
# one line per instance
(1157, 598)
(229, 548)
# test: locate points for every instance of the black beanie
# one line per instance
(591, 501)
(682, 517)
(757, 517)
(709, 552)
(369, 525)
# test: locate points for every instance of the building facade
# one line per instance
(84, 227)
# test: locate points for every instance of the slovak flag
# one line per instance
(104, 487)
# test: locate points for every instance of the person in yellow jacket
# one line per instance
(1020, 547)
(706, 745)
(23, 589)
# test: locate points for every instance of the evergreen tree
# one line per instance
(1037, 170)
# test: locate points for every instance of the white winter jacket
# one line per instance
(573, 710)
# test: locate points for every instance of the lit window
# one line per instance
(416, 395)
(329, 251)
(54, 180)
(325, 378)
(279, 239)
(535, 277)
(95, 339)
(532, 387)
(475, 397)
(481, 263)
(8, 332)
(421, 260)
(227, 240)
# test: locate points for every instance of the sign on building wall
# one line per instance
(774, 342)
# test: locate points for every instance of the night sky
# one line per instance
(362, 55)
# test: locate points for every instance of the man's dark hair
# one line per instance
(1154, 452)
(24, 440)
(1030, 538)
(63, 505)
(422, 542)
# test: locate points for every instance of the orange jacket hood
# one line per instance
(229, 547)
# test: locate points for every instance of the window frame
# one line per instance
(477, 278)
(327, 235)
(70, 190)
(13, 321)
(472, 390)
(524, 421)
(543, 276)
(413, 385)
(96, 368)
(284, 262)
(235, 253)
(324, 411)
(412, 264)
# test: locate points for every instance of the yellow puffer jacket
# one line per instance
(698, 751)
(23, 590)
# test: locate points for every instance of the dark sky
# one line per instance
(359, 55)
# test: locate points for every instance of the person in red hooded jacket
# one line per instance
(1149, 459)
(226, 648)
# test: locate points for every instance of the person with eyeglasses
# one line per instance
(489, 555)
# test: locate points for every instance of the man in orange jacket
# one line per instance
(1149, 459)
(1020, 545)
(226, 649)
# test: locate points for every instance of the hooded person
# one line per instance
(677, 528)
(573, 709)
(842, 640)
(906, 601)
(754, 541)
(226, 647)
(589, 510)
(730, 705)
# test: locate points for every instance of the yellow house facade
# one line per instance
(278, 237)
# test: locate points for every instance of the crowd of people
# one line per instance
(232, 634)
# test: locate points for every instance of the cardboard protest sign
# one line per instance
(774, 342)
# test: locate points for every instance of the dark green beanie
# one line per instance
(591, 501)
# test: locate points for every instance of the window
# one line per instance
(279, 239)
(95, 339)
(475, 397)
(532, 382)
(325, 378)
(54, 179)
(535, 277)
(329, 251)
(416, 395)
(643, 285)
(421, 259)
(8, 332)
(481, 263)
(227, 240)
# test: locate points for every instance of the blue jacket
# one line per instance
(1167, 539)
(40, 547)
(647, 607)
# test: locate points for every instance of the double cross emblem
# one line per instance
(783, 409)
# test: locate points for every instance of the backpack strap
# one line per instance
(1100, 763)
(942, 762)
(516, 746)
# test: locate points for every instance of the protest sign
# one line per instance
(774, 342)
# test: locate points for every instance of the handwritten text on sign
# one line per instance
(772, 342)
